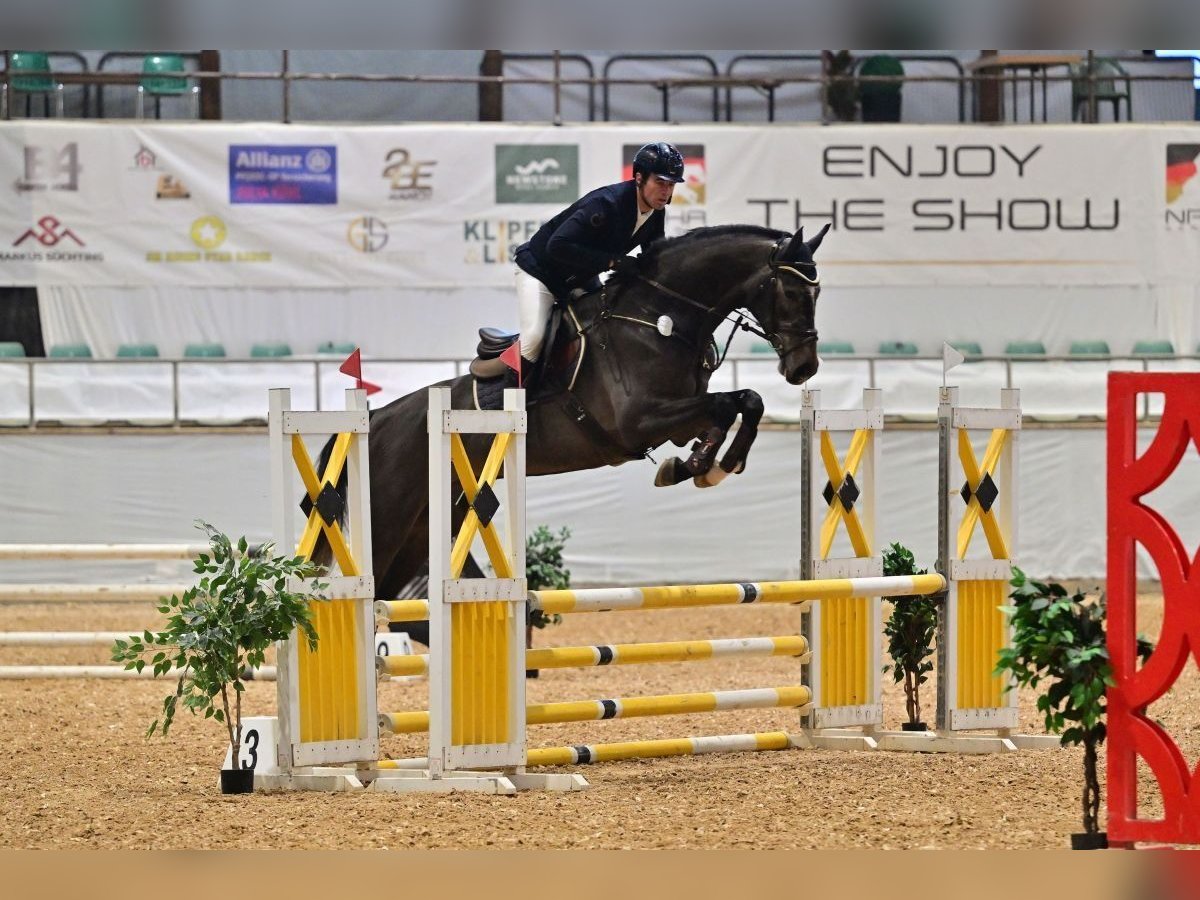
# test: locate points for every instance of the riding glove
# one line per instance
(625, 265)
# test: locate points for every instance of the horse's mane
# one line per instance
(651, 254)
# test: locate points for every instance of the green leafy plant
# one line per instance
(1059, 637)
(544, 568)
(909, 631)
(219, 630)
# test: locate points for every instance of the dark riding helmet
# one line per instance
(659, 158)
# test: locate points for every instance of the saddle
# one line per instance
(553, 373)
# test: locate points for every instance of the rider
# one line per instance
(590, 236)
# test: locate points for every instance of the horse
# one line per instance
(643, 381)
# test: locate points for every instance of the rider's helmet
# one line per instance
(661, 159)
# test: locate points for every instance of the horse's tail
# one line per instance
(322, 553)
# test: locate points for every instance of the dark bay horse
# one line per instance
(639, 387)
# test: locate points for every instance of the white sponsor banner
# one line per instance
(445, 205)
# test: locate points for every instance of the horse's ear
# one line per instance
(816, 242)
(794, 244)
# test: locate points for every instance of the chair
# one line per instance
(1090, 348)
(136, 350)
(79, 351)
(203, 351)
(39, 80)
(12, 349)
(880, 100)
(898, 348)
(1025, 348)
(1153, 348)
(266, 350)
(835, 347)
(347, 347)
(967, 348)
(1108, 72)
(162, 76)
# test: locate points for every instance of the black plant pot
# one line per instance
(1086, 841)
(237, 781)
(913, 726)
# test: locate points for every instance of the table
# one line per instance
(1035, 63)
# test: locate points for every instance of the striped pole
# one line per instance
(695, 595)
(266, 673)
(63, 638)
(102, 551)
(112, 593)
(627, 708)
(596, 753)
(625, 654)
(683, 596)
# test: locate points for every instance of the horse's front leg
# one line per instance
(750, 405)
(708, 417)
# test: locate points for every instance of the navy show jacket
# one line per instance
(580, 242)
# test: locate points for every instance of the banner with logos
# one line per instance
(427, 206)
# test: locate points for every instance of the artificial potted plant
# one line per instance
(1059, 637)
(544, 570)
(218, 632)
(909, 630)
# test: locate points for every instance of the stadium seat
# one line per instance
(967, 348)
(203, 350)
(835, 347)
(162, 76)
(761, 347)
(1154, 348)
(71, 350)
(37, 63)
(127, 350)
(12, 348)
(1025, 348)
(344, 348)
(1112, 86)
(270, 349)
(1089, 348)
(898, 348)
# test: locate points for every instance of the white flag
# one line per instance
(950, 359)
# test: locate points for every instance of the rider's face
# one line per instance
(656, 192)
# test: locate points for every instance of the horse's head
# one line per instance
(788, 312)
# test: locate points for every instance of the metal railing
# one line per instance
(737, 373)
(766, 83)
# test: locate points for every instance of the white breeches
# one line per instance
(534, 302)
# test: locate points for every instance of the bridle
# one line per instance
(737, 317)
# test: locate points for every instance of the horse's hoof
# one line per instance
(711, 478)
(666, 473)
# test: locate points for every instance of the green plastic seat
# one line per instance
(835, 347)
(12, 348)
(761, 347)
(344, 348)
(880, 100)
(163, 74)
(132, 350)
(274, 349)
(967, 348)
(204, 350)
(82, 351)
(1025, 348)
(1112, 86)
(1154, 348)
(36, 62)
(1089, 348)
(30, 74)
(898, 348)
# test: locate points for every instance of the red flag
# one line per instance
(353, 367)
(512, 358)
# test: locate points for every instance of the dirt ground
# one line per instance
(80, 774)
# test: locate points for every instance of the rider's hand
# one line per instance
(625, 265)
